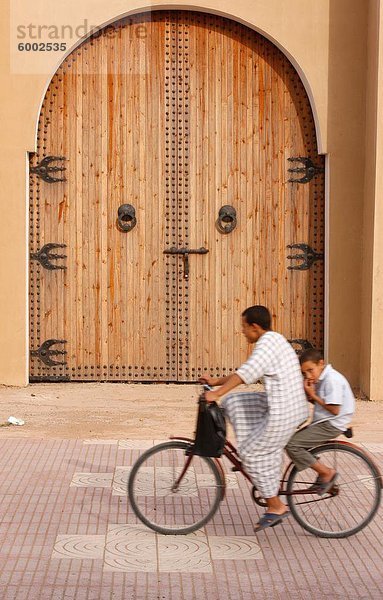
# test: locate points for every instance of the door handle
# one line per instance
(126, 217)
(184, 252)
(227, 219)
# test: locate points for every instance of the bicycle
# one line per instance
(175, 492)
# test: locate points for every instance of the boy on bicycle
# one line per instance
(334, 406)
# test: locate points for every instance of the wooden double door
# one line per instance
(162, 202)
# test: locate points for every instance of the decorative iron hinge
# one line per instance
(308, 257)
(44, 353)
(44, 256)
(44, 169)
(300, 345)
(309, 170)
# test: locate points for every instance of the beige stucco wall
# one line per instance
(326, 41)
(346, 159)
(372, 299)
(377, 302)
(369, 194)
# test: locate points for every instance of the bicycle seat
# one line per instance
(348, 433)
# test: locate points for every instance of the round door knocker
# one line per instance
(126, 217)
(227, 219)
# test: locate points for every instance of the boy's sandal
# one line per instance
(315, 486)
(321, 487)
(325, 486)
(270, 520)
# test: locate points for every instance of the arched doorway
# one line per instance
(180, 133)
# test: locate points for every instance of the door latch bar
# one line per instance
(184, 252)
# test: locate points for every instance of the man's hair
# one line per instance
(312, 354)
(259, 315)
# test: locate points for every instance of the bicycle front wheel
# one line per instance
(173, 492)
(352, 502)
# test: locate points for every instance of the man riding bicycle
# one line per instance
(264, 422)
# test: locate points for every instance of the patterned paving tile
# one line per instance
(235, 548)
(161, 483)
(164, 475)
(120, 481)
(135, 548)
(184, 553)
(125, 444)
(130, 548)
(206, 480)
(135, 444)
(79, 546)
(101, 442)
(103, 480)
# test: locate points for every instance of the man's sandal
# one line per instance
(270, 520)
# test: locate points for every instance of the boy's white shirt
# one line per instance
(333, 388)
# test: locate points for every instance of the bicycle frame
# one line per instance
(231, 453)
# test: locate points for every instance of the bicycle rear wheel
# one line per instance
(352, 502)
(163, 505)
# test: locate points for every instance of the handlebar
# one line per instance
(206, 387)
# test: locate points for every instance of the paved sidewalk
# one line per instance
(67, 532)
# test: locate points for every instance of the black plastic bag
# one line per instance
(211, 430)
